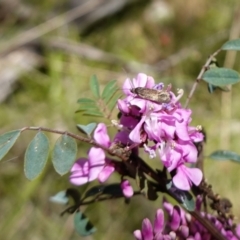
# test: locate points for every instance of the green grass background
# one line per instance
(47, 97)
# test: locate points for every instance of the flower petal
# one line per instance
(122, 106)
(129, 121)
(105, 173)
(180, 180)
(181, 126)
(185, 176)
(135, 134)
(140, 103)
(194, 174)
(140, 80)
(100, 135)
(96, 162)
(127, 86)
(147, 230)
(138, 235)
(80, 172)
(150, 82)
(122, 137)
(159, 222)
(175, 218)
(127, 188)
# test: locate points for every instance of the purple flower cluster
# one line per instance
(162, 129)
(97, 165)
(180, 225)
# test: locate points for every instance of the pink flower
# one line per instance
(147, 231)
(127, 188)
(165, 124)
(150, 232)
(132, 99)
(100, 135)
(106, 172)
(96, 166)
(87, 170)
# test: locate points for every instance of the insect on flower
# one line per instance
(159, 96)
(144, 87)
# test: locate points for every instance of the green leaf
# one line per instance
(212, 88)
(64, 154)
(187, 201)
(60, 198)
(224, 155)
(221, 76)
(90, 108)
(93, 113)
(7, 140)
(231, 45)
(183, 197)
(88, 129)
(113, 101)
(109, 89)
(86, 101)
(82, 225)
(95, 86)
(36, 156)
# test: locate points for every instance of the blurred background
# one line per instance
(49, 50)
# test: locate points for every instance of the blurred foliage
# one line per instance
(47, 96)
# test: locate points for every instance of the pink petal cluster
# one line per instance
(97, 165)
(162, 129)
(152, 232)
(180, 225)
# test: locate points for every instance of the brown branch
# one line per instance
(77, 137)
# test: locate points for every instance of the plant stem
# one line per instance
(199, 77)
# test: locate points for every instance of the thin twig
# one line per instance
(199, 77)
(107, 198)
(78, 137)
